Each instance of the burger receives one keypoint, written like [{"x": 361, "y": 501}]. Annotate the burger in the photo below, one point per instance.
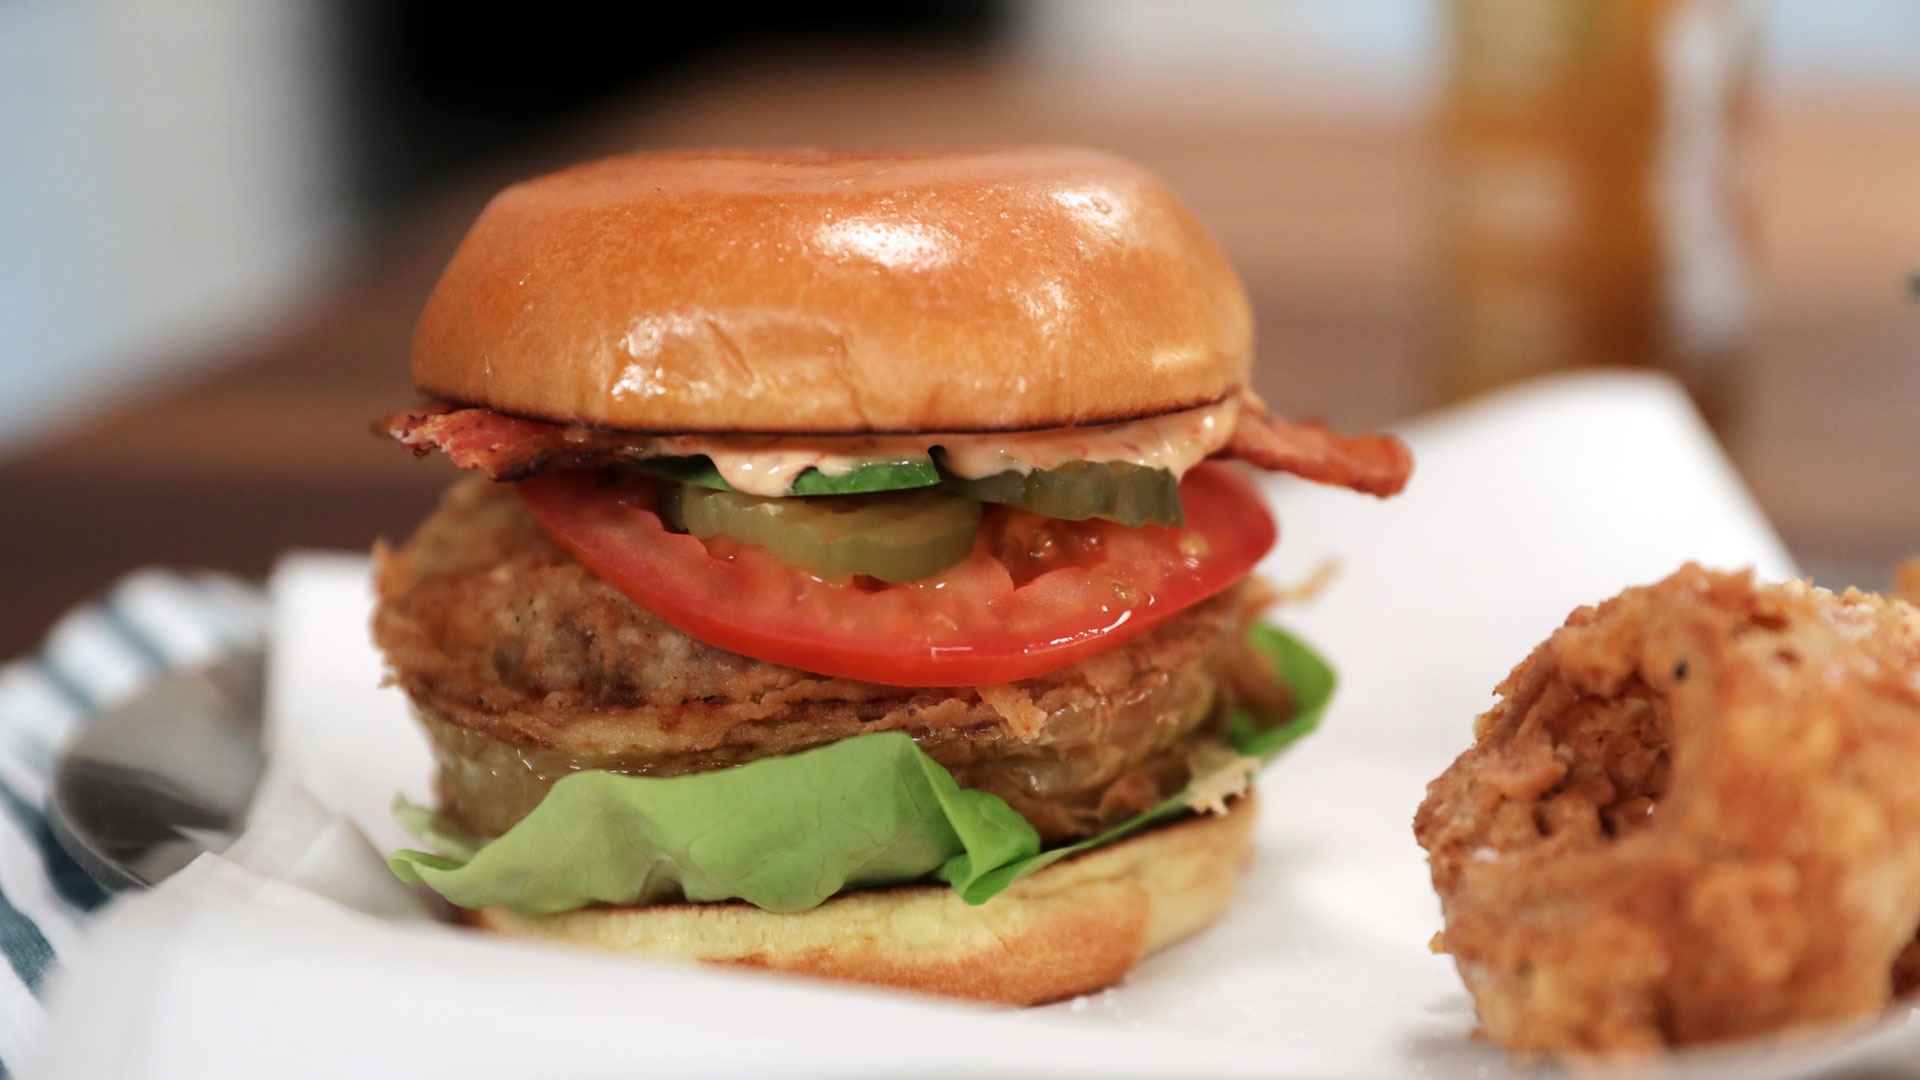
[{"x": 854, "y": 579}]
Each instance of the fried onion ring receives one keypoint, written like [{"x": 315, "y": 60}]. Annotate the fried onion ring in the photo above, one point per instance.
[{"x": 1694, "y": 815}]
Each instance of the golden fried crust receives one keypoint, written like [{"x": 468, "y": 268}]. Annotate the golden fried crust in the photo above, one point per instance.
[
  {"x": 524, "y": 666},
  {"x": 1693, "y": 816},
  {"x": 1074, "y": 927}
]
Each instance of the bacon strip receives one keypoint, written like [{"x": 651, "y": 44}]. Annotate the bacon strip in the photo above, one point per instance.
[
  {"x": 1374, "y": 464},
  {"x": 511, "y": 448}
]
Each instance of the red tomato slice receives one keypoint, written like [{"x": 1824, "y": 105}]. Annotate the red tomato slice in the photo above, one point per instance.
[{"x": 979, "y": 622}]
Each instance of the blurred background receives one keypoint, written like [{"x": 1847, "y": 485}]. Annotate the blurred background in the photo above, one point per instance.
[{"x": 218, "y": 219}]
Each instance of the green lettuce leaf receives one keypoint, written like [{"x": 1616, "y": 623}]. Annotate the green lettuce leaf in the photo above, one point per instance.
[
  {"x": 868, "y": 476},
  {"x": 783, "y": 833},
  {"x": 787, "y": 833},
  {"x": 1261, "y": 738}
]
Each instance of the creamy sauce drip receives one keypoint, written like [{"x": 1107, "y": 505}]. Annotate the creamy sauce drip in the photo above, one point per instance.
[{"x": 768, "y": 465}]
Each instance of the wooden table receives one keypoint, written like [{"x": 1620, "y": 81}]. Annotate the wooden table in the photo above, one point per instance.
[{"x": 1329, "y": 219}]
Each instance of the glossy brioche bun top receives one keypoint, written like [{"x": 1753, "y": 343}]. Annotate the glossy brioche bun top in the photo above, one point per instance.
[{"x": 815, "y": 291}]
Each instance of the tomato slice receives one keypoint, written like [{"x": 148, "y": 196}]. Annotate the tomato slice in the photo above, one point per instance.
[{"x": 998, "y": 616}]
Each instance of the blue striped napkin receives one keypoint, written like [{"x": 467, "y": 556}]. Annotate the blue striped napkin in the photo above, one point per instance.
[{"x": 150, "y": 623}]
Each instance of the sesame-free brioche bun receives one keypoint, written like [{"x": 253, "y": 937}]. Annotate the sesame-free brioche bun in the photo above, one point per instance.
[
  {"x": 1073, "y": 927},
  {"x": 811, "y": 291}
]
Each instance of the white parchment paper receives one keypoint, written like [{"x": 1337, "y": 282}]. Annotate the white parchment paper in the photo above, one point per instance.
[{"x": 298, "y": 956}]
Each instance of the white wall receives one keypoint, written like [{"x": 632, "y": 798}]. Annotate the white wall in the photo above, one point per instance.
[
  {"x": 1363, "y": 54},
  {"x": 1344, "y": 55},
  {"x": 168, "y": 172},
  {"x": 1841, "y": 49}
]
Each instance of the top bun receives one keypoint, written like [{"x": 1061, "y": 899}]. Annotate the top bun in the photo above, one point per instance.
[{"x": 811, "y": 291}]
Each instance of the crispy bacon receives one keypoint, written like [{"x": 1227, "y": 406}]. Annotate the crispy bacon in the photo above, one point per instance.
[
  {"x": 1374, "y": 464},
  {"x": 510, "y": 447},
  {"x": 513, "y": 448}
]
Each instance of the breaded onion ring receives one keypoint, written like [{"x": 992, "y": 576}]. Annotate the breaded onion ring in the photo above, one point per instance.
[{"x": 1694, "y": 815}]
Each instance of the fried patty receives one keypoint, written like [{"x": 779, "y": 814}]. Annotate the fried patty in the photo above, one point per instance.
[{"x": 523, "y": 666}]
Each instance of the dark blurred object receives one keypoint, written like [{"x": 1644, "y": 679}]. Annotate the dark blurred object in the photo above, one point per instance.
[
  {"x": 1595, "y": 214},
  {"x": 434, "y": 85}
]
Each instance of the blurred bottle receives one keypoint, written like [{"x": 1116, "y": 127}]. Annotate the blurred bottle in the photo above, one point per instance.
[{"x": 1595, "y": 213}]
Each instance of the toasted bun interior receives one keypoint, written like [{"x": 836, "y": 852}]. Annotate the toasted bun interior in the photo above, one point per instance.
[
  {"x": 809, "y": 291},
  {"x": 1074, "y": 927}
]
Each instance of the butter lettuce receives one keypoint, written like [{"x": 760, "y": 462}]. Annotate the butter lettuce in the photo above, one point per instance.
[
  {"x": 1256, "y": 737},
  {"x": 786, "y": 833},
  {"x": 868, "y": 476}
]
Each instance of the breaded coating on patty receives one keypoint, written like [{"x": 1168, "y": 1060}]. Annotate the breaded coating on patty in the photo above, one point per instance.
[
  {"x": 524, "y": 666},
  {"x": 1694, "y": 815}
]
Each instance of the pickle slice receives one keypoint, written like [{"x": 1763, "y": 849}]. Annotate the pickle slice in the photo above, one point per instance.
[
  {"x": 896, "y": 537},
  {"x": 868, "y": 476},
  {"x": 1133, "y": 495}
]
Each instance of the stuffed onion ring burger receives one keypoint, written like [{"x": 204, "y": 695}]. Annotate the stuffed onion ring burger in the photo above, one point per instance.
[{"x": 854, "y": 580}]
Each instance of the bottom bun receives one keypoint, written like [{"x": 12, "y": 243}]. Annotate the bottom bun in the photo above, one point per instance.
[{"x": 1074, "y": 927}]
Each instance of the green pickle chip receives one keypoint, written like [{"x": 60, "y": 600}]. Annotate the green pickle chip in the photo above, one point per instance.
[
  {"x": 870, "y": 476},
  {"x": 897, "y": 537},
  {"x": 1133, "y": 495}
]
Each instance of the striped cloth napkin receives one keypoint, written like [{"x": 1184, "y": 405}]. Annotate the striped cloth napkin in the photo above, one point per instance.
[{"x": 150, "y": 623}]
